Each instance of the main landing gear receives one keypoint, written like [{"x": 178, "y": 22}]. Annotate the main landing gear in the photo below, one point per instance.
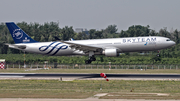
[{"x": 91, "y": 58}]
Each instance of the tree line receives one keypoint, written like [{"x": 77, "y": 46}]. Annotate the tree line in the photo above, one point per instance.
[
  {"x": 101, "y": 60},
  {"x": 47, "y": 31}
]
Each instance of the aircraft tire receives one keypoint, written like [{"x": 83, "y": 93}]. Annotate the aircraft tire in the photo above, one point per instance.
[
  {"x": 88, "y": 61},
  {"x": 93, "y": 59}
]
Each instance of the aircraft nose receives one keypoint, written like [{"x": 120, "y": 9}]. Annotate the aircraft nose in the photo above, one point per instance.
[{"x": 173, "y": 43}]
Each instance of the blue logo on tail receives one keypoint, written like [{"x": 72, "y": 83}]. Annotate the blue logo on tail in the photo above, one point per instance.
[
  {"x": 18, "y": 34},
  {"x": 57, "y": 47}
]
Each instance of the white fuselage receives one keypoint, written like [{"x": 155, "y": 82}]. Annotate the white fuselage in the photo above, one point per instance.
[{"x": 129, "y": 44}]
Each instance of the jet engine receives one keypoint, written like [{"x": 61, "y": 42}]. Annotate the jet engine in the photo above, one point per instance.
[{"x": 110, "y": 52}]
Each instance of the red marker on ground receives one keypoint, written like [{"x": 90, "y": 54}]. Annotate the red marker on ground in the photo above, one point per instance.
[{"x": 104, "y": 76}]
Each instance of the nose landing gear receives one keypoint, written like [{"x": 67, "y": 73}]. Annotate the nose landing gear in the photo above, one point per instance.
[{"x": 158, "y": 54}]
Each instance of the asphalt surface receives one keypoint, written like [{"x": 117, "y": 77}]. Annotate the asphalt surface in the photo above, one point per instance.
[
  {"x": 71, "y": 75},
  {"x": 89, "y": 99}
]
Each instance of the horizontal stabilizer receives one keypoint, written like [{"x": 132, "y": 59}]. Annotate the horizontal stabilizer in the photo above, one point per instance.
[{"x": 16, "y": 46}]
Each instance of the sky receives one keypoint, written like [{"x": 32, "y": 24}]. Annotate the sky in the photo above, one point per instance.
[{"x": 94, "y": 14}]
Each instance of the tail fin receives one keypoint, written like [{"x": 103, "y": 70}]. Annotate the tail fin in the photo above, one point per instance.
[{"x": 18, "y": 34}]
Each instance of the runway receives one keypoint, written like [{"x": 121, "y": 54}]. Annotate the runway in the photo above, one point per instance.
[
  {"x": 89, "y": 99},
  {"x": 89, "y": 76}
]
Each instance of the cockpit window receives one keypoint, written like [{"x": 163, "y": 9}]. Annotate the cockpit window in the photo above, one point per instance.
[{"x": 168, "y": 40}]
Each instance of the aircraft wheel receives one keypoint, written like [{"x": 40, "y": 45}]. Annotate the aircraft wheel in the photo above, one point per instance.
[
  {"x": 93, "y": 59},
  {"x": 88, "y": 61}
]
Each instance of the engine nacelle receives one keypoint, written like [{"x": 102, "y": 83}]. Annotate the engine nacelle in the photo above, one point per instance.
[{"x": 110, "y": 52}]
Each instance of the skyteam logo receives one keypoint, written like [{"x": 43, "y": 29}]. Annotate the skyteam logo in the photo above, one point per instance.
[
  {"x": 145, "y": 43},
  {"x": 137, "y": 40},
  {"x": 26, "y": 40},
  {"x": 17, "y": 33},
  {"x": 53, "y": 48}
]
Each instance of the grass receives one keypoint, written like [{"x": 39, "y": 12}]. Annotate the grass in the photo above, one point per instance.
[
  {"x": 86, "y": 88},
  {"x": 151, "y": 71}
]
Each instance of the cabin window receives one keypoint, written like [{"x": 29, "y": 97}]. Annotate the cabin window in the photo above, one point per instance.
[{"x": 168, "y": 40}]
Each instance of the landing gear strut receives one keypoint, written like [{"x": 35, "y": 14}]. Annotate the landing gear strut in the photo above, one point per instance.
[{"x": 91, "y": 58}]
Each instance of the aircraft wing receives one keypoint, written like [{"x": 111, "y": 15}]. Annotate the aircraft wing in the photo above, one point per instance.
[
  {"x": 81, "y": 47},
  {"x": 16, "y": 46}
]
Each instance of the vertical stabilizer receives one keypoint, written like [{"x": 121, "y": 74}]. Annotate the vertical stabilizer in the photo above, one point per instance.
[{"x": 18, "y": 34}]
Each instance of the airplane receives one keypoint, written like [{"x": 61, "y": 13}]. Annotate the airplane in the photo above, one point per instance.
[{"x": 110, "y": 47}]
